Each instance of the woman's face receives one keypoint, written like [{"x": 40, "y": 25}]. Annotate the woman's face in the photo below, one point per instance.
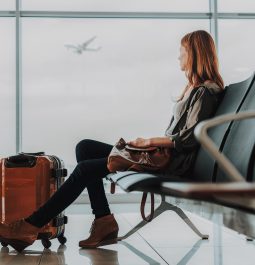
[{"x": 183, "y": 58}]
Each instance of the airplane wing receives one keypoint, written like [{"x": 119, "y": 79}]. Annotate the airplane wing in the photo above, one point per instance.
[
  {"x": 70, "y": 46},
  {"x": 86, "y": 43},
  {"x": 82, "y": 47},
  {"x": 75, "y": 49}
]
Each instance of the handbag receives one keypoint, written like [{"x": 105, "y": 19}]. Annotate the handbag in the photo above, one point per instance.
[{"x": 125, "y": 157}]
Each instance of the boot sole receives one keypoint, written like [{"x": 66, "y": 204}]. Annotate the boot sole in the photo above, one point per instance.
[{"x": 112, "y": 238}]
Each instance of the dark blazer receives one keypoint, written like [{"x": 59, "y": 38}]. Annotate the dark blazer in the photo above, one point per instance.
[{"x": 200, "y": 105}]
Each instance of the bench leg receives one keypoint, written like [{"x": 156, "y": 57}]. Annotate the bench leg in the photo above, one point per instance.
[
  {"x": 186, "y": 219},
  {"x": 133, "y": 230},
  {"x": 165, "y": 206}
]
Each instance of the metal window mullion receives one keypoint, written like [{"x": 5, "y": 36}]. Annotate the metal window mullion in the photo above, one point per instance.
[
  {"x": 214, "y": 21},
  {"x": 18, "y": 81},
  {"x": 7, "y": 14},
  {"x": 170, "y": 15},
  {"x": 167, "y": 15},
  {"x": 159, "y": 15},
  {"x": 236, "y": 15}
]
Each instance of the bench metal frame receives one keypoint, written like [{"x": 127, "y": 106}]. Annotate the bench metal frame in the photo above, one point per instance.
[
  {"x": 165, "y": 206},
  {"x": 202, "y": 136}
]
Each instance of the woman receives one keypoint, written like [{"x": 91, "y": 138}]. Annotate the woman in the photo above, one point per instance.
[{"x": 197, "y": 102}]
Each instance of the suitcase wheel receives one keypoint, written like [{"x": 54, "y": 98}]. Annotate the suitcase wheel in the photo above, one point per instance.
[
  {"x": 4, "y": 244},
  {"x": 46, "y": 243},
  {"x": 62, "y": 239}
]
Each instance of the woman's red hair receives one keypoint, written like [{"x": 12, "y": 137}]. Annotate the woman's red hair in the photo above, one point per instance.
[{"x": 202, "y": 64}]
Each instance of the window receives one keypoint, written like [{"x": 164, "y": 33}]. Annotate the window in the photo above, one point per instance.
[
  {"x": 98, "y": 93},
  {"x": 236, "y": 6},
  {"x": 7, "y": 5},
  {"x": 7, "y": 86},
  {"x": 236, "y": 51},
  {"x": 117, "y": 5}
]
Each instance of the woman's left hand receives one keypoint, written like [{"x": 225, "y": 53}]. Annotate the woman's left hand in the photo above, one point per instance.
[{"x": 140, "y": 142}]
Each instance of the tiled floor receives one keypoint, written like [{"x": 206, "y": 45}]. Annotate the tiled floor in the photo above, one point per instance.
[{"x": 167, "y": 240}]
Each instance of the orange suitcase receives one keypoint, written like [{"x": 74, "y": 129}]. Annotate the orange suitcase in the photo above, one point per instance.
[{"x": 27, "y": 181}]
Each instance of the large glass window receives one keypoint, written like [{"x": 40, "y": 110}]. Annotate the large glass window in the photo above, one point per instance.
[
  {"x": 117, "y": 5},
  {"x": 236, "y": 6},
  {"x": 98, "y": 78},
  {"x": 7, "y": 5},
  {"x": 7, "y": 86},
  {"x": 236, "y": 51}
]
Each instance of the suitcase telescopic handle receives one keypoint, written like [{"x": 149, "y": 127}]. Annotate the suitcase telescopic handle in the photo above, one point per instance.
[
  {"x": 33, "y": 154},
  {"x": 21, "y": 160}
]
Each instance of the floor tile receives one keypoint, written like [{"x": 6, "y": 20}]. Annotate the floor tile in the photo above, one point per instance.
[
  {"x": 232, "y": 255},
  {"x": 10, "y": 257},
  {"x": 169, "y": 230}
]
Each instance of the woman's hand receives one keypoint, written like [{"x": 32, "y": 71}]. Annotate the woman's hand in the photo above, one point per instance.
[
  {"x": 140, "y": 142},
  {"x": 155, "y": 141}
]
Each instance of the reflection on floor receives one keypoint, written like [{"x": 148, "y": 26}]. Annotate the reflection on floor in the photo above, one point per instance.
[{"x": 167, "y": 240}]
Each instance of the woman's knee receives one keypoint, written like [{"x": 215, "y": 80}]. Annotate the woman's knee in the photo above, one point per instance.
[
  {"x": 90, "y": 170},
  {"x": 83, "y": 144},
  {"x": 81, "y": 149}
]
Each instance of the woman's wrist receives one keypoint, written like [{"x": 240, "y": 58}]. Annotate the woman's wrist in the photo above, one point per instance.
[
  {"x": 150, "y": 141},
  {"x": 161, "y": 141}
]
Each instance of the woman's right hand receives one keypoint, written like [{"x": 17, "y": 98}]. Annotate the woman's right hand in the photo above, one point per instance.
[{"x": 140, "y": 142}]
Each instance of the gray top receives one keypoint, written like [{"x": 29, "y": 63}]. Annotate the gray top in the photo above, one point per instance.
[
  {"x": 178, "y": 106},
  {"x": 200, "y": 104}
]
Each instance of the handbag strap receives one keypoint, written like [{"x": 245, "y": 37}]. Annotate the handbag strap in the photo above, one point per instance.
[
  {"x": 150, "y": 216},
  {"x": 143, "y": 201},
  {"x": 112, "y": 189}
]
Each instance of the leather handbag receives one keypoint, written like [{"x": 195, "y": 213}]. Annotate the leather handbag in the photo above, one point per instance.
[{"x": 125, "y": 157}]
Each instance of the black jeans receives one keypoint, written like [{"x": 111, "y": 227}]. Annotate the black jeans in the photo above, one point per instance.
[{"x": 89, "y": 173}]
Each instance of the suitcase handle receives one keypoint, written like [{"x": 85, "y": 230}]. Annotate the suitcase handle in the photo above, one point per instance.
[
  {"x": 33, "y": 154},
  {"x": 21, "y": 160}
]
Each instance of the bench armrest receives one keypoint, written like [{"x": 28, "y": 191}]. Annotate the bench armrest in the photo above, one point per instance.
[{"x": 206, "y": 142}]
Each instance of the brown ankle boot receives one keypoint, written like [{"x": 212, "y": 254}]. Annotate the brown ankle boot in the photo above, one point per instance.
[
  {"x": 18, "y": 234},
  {"x": 104, "y": 231}
]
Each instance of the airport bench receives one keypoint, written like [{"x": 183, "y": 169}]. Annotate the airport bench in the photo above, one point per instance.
[{"x": 224, "y": 169}]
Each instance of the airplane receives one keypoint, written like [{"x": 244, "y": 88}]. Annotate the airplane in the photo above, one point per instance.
[{"x": 80, "y": 48}]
